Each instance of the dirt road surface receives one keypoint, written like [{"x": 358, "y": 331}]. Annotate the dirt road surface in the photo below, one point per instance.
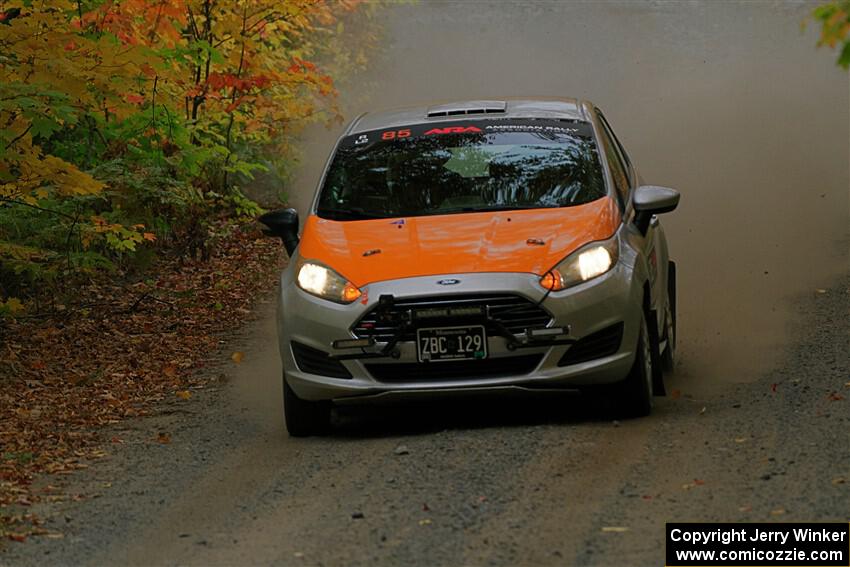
[{"x": 729, "y": 103}]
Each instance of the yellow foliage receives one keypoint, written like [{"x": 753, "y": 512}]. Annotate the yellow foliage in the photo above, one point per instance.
[
  {"x": 12, "y": 306},
  {"x": 175, "y": 87},
  {"x": 236, "y": 67},
  {"x": 38, "y": 176}
]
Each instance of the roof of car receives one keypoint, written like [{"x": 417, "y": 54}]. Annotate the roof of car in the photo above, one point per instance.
[{"x": 556, "y": 108}]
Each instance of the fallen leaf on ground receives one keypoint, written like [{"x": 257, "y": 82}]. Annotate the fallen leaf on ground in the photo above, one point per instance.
[
  {"x": 839, "y": 480},
  {"x": 184, "y": 394},
  {"x": 702, "y": 411},
  {"x": 835, "y": 397},
  {"x": 425, "y": 522},
  {"x": 163, "y": 438},
  {"x": 745, "y": 509},
  {"x": 615, "y": 529},
  {"x": 773, "y": 387},
  {"x": 93, "y": 370},
  {"x": 740, "y": 439},
  {"x": 237, "y": 356},
  {"x": 777, "y": 512},
  {"x": 695, "y": 483}
]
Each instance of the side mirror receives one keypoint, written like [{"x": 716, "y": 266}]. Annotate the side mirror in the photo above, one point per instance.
[
  {"x": 282, "y": 223},
  {"x": 653, "y": 200}
]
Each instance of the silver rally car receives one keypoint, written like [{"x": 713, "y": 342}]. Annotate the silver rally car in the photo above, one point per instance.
[{"x": 470, "y": 247}]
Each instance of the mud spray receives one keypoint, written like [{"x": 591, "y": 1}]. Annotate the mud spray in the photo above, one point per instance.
[{"x": 728, "y": 102}]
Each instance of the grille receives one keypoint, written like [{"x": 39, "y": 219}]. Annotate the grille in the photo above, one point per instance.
[
  {"x": 462, "y": 369},
  {"x": 314, "y": 361},
  {"x": 596, "y": 345},
  {"x": 514, "y": 312}
]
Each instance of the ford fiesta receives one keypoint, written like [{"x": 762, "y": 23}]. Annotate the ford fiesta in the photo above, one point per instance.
[{"x": 479, "y": 245}]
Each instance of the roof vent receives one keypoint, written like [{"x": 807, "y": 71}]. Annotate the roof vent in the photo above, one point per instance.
[{"x": 470, "y": 107}]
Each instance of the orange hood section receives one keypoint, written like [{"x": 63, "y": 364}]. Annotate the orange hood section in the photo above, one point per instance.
[{"x": 529, "y": 241}]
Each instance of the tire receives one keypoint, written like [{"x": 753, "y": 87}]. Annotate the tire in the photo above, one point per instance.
[
  {"x": 633, "y": 396},
  {"x": 668, "y": 357},
  {"x": 655, "y": 354},
  {"x": 304, "y": 418}
]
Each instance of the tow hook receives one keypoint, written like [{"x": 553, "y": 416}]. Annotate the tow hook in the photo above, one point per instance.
[{"x": 549, "y": 336}]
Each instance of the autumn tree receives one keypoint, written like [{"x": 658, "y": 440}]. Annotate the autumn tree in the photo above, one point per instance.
[
  {"x": 124, "y": 118},
  {"x": 834, "y": 19}
]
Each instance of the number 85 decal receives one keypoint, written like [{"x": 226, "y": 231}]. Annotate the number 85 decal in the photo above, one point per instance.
[{"x": 393, "y": 134}]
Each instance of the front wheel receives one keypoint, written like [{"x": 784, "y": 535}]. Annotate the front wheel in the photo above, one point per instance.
[
  {"x": 633, "y": 396},
  {"x": 304, "y": 418}
]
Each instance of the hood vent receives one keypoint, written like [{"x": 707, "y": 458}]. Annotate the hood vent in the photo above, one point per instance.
[{"x": 471, "y": 107}]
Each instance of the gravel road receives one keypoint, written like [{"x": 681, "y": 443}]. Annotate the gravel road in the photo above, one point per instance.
[
  {"x": 493, "y": 482},
  {"x": 737, "y": 110}
]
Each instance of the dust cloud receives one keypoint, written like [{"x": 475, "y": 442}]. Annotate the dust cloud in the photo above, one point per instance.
[{"x": 728, "y": 102}]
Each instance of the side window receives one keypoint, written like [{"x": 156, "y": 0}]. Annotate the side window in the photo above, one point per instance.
[
  {"x": 625, "y": 157},
  {"x": 616, "y": 165}
]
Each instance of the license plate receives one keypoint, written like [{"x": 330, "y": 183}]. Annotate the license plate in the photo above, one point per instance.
[{"x": 451, "y": 343}]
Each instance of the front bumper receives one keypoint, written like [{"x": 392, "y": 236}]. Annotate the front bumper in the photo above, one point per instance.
[{"x": 587, "y": 308}]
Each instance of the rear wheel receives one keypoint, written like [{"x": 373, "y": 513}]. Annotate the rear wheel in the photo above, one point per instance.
[
  {"x": 668, "y": 356},
  {"x": 633, "y": 396},
  {"x": 303, "y": 417}
]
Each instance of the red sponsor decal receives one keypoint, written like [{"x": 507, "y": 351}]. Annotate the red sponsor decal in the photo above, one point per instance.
[
  {"x": 453, "y": 130},
  {"x": 393, "y": 134}
]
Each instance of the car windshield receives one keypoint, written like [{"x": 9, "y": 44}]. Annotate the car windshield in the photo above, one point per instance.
[{"x": 455, "y": 167}]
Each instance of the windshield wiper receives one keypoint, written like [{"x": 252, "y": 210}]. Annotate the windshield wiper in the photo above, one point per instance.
[
  {"x": 355, "y": 213},
  {"x": 490, "y": 208}
]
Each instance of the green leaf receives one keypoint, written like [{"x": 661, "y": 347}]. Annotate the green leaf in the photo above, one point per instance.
[
  {"x": 824, "y": 11},
  {"x": 43, "y": 127},
  {"x": 844, "y": 58}
]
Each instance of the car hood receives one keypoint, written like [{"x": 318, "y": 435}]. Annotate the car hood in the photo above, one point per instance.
[{"x": 528, "y": 241}]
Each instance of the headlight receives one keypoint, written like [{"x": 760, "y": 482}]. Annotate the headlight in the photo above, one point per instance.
[
  {"x": 587, "y": 263},
  {"x": 323, "y": 282}
]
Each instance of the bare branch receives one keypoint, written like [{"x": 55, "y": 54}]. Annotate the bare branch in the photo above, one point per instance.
[{"x": 17, "y": 138}]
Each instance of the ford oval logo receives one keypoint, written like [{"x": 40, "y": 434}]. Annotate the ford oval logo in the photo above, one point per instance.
[{"x": 448, "y": 282}]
